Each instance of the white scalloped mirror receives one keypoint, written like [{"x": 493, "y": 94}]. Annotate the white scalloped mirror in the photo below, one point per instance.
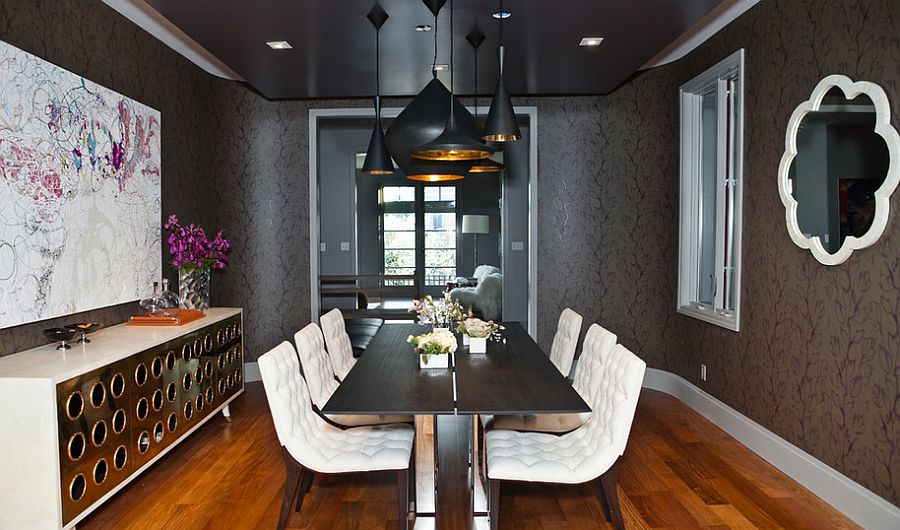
[{"x": 839, "y": 169}]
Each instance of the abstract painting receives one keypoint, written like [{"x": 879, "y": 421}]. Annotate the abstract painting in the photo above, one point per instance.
[{"x": 79, "y": 192}]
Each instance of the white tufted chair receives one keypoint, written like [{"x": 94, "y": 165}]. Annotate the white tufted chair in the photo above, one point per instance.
[
  {"x": 338, "y": 342},
  {"x": 311, "y": 445},
  {"x": 562, "y": 351},
  {"x": 319, "y": 375},
  {"x": 601, "y": 342},
  {"x": 592, "y": 451}
]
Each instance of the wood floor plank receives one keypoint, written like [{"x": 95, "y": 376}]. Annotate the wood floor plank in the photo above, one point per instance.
[{"x": 679, "y": 471}]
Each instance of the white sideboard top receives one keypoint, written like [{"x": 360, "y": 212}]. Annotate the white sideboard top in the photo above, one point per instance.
[{"x": 107, "y": 346}]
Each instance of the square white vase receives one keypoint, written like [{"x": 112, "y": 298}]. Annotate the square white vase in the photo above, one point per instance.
[
  {"x": 477, "y": 345},
  {"x": 465, "y": 339},
  {"x": 440, "y": 330},
  {"x": 435, "y": 361}
]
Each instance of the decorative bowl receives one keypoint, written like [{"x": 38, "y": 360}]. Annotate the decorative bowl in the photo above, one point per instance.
[
  {"x": 61, "y": 335},
  {"x": 85, "y": 328}
]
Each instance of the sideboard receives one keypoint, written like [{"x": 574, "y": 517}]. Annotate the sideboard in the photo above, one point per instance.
[{"x": 76, "y": 426}]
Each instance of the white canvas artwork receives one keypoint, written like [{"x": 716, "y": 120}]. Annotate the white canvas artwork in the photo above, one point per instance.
[{"x": 79, "y": 192}]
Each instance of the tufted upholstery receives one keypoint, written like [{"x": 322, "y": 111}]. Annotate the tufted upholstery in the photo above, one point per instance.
[
  {"x": 562, "y": 351},
  {"x": 314, "y": 443},
  {"x": 338, "y": 342},
  {"x": 598, "y": 339},
  {"x": 601, "y": 342},
  {"x": 614, "y": 382},
  {"x": 319, "y": 375},
  {"x": 317, "y": 368}
]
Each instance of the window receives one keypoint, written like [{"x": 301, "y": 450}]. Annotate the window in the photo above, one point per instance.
[
  {"x": 399, "y": 222},
  {"x": 419, "y": 232},
  {"x": 709, "y": 273},
  {"x": 440, "y": 234}
]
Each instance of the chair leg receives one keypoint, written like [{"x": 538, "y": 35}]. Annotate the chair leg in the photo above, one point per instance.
[
  {"x": 494, "y": 503},
  {"x": 403, "y": 497},
  {"x": 305, "y": 485},
  {"x": 291, "y": 486},
  {"x": 412, "y": 479},
  {"x": 601, "y": 497},
  {"x": 608, "y": 481}
]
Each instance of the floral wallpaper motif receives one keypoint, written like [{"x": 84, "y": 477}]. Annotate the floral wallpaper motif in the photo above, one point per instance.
[{"x": 818, "y": 358}]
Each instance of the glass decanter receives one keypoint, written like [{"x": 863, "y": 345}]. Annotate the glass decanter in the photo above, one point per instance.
[
  {"x": 154, "y": 302},
  {"x": 169, "y": 299}
]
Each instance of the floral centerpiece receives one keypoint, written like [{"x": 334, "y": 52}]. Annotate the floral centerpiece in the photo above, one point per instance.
[
  {"x": 478, "y": 332},
  {"x": 439, "y": 313},
  {"x": 434, "y": 348},
  {"x": 194, "y": 256}
]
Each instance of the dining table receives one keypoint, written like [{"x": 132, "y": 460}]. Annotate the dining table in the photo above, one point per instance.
[{"x": 514, "y": 376}]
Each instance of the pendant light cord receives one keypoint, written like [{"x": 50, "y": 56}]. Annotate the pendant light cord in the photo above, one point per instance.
[
  {"x": 434, "y": 61},
  {"x": 500, "y": 22},
  {"x": 378, "y": 65},
  {"x": 451, "y": 60}
]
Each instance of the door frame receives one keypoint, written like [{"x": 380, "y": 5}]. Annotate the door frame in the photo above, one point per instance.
[{"x": 529, "y": 112}]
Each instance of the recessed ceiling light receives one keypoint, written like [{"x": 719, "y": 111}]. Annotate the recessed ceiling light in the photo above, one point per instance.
[
  {"x": 423, "y": 27},
  {"x": 591, "y": 41},
  {"x": 279, "y": 45},
  {"x": 441, "y": 67},
  {"x": 502, "y": 14}
]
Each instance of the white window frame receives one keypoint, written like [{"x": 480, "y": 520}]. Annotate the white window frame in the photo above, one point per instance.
[{"x": 690, "y": 96}]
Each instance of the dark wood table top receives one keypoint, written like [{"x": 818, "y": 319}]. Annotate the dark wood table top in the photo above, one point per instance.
[
  {"x": 512, "y": 378},
  {"x": 387, "y": 379}
]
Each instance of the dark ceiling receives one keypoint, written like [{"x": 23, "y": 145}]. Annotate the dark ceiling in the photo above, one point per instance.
[{"x": 333, "y": 43}]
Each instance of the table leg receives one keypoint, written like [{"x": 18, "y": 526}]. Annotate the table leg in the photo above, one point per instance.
[{"x": 453, "y": 508}]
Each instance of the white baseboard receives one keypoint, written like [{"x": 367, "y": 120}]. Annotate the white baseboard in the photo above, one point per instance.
[
  {"x": 251, "y": 372},
  {"x": 850, "y": 498}
]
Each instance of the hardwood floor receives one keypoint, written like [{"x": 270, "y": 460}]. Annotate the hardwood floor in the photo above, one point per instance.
[{"x": 679, "y": 471}]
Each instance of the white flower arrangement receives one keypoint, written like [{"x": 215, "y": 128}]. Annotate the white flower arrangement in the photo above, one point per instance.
[
  {"x": 440, "y": 313},
  {"x": 476, "y": 328},
  {"x": 436, "y": 343}
]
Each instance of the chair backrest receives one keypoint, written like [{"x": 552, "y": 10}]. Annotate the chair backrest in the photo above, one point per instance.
[
  {"x": 615, "y": 380},
  {"x": 483, "y": 270},
  {"x": 597, "y": 344},
  {"x": 338, "y": 342},
  {"x": 562, "y": 351},
  {"x": 299, "y": 429},
  {"x": 316, "y": 365}
]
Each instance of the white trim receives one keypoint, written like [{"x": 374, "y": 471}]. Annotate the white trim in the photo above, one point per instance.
[
  {"x": 148, "y": 19},
  {"x": 850, "y": 498},
  {"x": 392, "y": 112},
  {"x": 724, "y": 14},
  {"x": 882, "y": 194},
  {"x": 251, "y": 372},
  {"x": 690, "y": 189}
]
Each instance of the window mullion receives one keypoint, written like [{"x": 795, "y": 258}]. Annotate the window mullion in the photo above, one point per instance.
[{"x": 721, "y": 184}]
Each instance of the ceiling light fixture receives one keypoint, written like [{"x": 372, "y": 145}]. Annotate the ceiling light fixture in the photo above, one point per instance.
[
  {"x": 502, "y": 14},
  {"x": 475, "y": 38},
  {"x": 279, "y": 44},
  {"x": 423, "y": 27},
  {"x": 378, "y": 159},
  {"x": 501, "y": 125},
  {"x": 591, "y": 41},
  {"x": 423, "y": 120},
  {"x": 452, "y": 144}
]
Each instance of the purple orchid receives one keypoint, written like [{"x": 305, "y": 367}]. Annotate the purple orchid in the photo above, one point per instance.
[{"x": 192, "y": 250}]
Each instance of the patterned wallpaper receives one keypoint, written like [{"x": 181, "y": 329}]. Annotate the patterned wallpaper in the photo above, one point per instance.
[
  {"x": 92, "y": 40},
  {"x": 818, "y": 358}
]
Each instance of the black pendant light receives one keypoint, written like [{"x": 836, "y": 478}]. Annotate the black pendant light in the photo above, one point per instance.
[
  {"x": 423, "y": 120},
  {"x": 378, "y": 160},
  {"x": 475, "y": 38},
  {"x": 453, "y": 144},
  {"x": 501, "y": 123}
]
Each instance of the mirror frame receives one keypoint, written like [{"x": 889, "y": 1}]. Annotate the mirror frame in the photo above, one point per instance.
[{"x": 883, "y": 128}]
